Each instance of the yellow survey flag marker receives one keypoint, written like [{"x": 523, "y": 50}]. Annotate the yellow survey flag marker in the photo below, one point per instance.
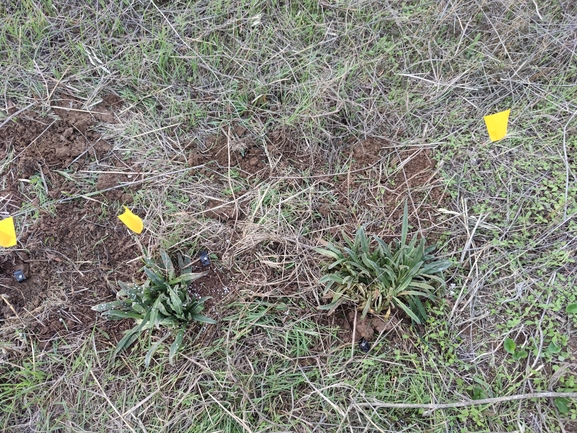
[
  {"x": 7, "y": 233},
  {"x": 497, "y": 124},
  {"x": 133, "y": 222}
]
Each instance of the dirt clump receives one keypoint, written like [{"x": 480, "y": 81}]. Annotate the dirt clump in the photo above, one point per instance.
[{"x": 237, "y": 149}]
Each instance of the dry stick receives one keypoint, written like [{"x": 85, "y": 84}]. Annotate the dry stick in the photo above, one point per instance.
[
  {"x": 16, "y": 114},
  {"x": 122, "y": 185},
  {"x": 236, "y": 208},
  {"x": 5, "y": 299},
  {"x": 156, "y": 130},
  {"x": 57, "y": 84},
  {"x": 78, "y": 110},
  {"x": 232, "y": 415},
  {"x": 495, "y": 400},
  {"x": 110, "y": 402},
  {"x": 137, "y": 405},
  {"x": 198, "y": 57},
  {"x": 567, "y": 167},
  {"x": 36, "y": 139}
]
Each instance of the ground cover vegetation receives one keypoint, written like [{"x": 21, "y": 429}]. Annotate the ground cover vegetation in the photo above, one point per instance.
[{"x": 263, "y": 132}]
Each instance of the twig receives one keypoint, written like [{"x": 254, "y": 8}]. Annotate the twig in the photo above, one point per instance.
[
  {"x": 495, "y": 400},
  {"x": 110, "y": 402},
  {"x": 16, "y": 114},
  {"x": 156, "y": 130},
  {"x": 5, "y": 299},
  {"x": 122, "y": 185},
  {"x": 232, "y": 415},
  {"x": 567, "y": 167}
]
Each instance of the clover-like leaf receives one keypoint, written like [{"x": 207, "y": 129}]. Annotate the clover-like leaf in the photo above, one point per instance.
[{"x": 509, "y": 346}]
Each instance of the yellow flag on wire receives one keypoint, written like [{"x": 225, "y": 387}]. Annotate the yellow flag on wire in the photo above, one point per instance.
[
  {"x": 133, "y": 222},
  {"x": 497, "y": 124},
  {"x": 7, "y": 233}
]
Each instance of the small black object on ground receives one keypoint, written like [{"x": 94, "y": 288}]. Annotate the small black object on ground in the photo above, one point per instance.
[
  {"x": 364, "y": 345},
  {"x": 19, "y": 275},
  {"x": 204, "y": 260}
]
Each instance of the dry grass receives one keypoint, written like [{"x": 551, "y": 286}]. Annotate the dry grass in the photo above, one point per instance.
[{"x": 310, "y": 82}]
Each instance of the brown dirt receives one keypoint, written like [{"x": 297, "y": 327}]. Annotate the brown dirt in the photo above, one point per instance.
[
  {"x": 368, "y": 328},
  {"x": 235, "y": 149},
  {"x": 72, "y": 255},
  {"x": 213, "y": 284},
  {"x": 355, "y": 178}
]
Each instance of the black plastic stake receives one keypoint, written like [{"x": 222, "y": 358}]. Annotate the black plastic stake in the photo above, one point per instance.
[
  {"x": 19, "y": 275},
  {"x": 364, "y": 345},
  {"x": 204, "y": 260}
]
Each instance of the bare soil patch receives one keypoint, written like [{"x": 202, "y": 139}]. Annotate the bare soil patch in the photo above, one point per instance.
[
  {"x": 362, "y": 178},
  {"x": 74, "y": 251}
]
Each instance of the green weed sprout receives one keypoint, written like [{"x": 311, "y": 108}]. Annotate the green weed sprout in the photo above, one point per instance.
[
  {"x": 386, "y": 276},
  {"x": 162, "y": 301}
]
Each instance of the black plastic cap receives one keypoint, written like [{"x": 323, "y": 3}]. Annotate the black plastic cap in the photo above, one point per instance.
[
  {"x": 364, "y": 345},
  {"x": 19, "y": 275},
  {"x": 204, "y": 260}
]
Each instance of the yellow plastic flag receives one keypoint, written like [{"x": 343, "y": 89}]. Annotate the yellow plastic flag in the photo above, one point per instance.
[
  {"x": 497, "y": 124},
  {"x": 7, "y": 233},
  {"x": 133, "y": 222}
]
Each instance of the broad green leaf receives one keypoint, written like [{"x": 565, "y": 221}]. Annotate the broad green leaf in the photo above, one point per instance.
[
  {"x": 107, "y": 306},
  {"x": 153, "y": 315},
  {"x": 387, "y": 275},
  {"x": 204, "y": 319},
  {"x": 126, "y": 341},
  {"x": 436, "y": 267},
  {"x": 385, "y": 250},
  {"x": 415, "y": 293},
  {"x": 553, "y": 349},
  {"x": 169, "y": 322},
  {"x": 520, "y": 354},
  {"x": 175, "y": 301},
  {"x": 367, "y": 306},
  {"x": 162, "y": 308},
  {"x": 417, "y": 307},
  {"x": 370, "y": 264},
  {"x": 124, "y": 287},
  {"x": 509, "y": 346},
  {"x": 362, "y": 240},
  {"x": 398, "y": 303},
  {"x": 337, "y": 263},
  {"x": 117, "y": 314},
  {"x": 138, "y": 308},
  {"x": 167, "y": 264},
  {"x": 405, "y": 226},
  {"x": 571, "y": 308},
  {"x": 153, "y": 349},
  {"x": 186, "y": 278},
  {"x": 329, "y": 253},
  {"x": 331, "y": 277},
  {"x": 196, "y": 309},
  {"x": 427, "y": 288},
  {"x": 333, "y": 305},
  {"x": 156, "y": 280},
  {"x": 562, "y": 405},
  {"x": 175, "y": 346}
]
